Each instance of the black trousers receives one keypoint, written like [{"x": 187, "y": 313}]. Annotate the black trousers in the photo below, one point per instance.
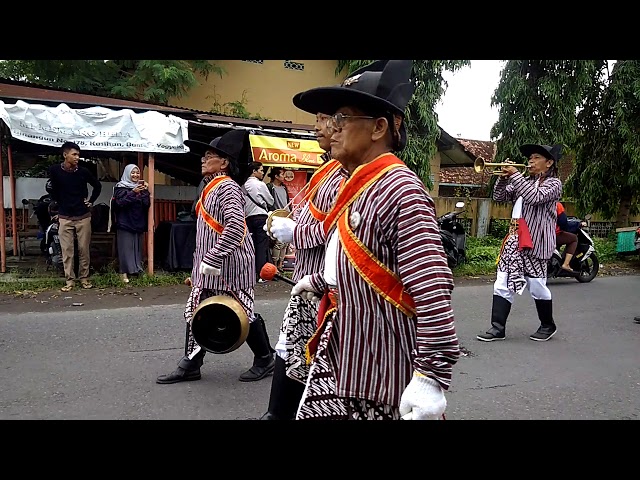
[{"x": 261, "y": 241}]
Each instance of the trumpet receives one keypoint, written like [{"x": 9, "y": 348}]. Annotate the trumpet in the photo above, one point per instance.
[{"x": 480, "y": 165}]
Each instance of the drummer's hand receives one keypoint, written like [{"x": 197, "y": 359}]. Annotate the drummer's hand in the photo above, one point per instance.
[
  {"x": 305, "y": 290},
  {"x": 281, "y": 229},
  {"x": 206, "y": 269}
]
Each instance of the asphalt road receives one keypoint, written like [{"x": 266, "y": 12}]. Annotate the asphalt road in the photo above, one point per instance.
[{"x": 102, "y": 364}]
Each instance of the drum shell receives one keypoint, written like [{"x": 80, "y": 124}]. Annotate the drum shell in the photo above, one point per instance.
[{"x": 220, "y": 324}]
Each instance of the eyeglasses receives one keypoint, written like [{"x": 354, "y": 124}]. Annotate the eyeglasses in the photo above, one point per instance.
[
  {"x": 210, "y": 156},
  {"x": 337, "y": 121}
]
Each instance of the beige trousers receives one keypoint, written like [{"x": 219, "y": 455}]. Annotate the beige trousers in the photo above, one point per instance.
[{"x": 82, "y": 228}]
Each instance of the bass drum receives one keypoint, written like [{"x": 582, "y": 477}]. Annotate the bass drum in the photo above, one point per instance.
[{"x": 220, "y": 324}]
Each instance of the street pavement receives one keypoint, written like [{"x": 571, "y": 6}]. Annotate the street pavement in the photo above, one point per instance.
[{"x": 102, "y": 364}]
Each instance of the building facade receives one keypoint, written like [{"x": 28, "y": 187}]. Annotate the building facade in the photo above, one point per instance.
[{"x": 262, "y": 89}]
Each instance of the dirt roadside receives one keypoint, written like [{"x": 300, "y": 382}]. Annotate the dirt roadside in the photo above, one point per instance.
[
  {"x": 127, "y": 296},
  {"x": 79, "y": 299}
]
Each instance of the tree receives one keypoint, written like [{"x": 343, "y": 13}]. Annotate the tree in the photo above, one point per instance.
[
  {"x": 155, "y": 81},
  {"x": 538, "y": 101},
  {"x": 420, "y": 117},
  {"x": 606, "y": 177}
]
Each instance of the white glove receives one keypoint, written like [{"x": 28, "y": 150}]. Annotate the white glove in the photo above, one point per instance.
[
  {"x": 281, "y": 229},
  {"x": 423, "y": 399},
  {"x": 304, "y": 289},
  {"x": 208, "y": 269}
]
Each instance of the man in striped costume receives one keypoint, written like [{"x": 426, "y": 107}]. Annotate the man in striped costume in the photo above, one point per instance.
[
  {"x": 223, "y": 261},
  {"x": 386, "y": 343},
  {"x": 300, "y": 316},
  {"x": 530, "y": 242}
]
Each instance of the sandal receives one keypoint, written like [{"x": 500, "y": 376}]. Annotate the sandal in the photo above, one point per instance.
[
  {"x": 86, "y": 285},
  {"x": 66, "y": 288}
]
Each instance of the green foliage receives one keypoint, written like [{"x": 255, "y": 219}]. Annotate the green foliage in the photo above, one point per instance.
[
  {"x": 537, "y": 101},
  {"x": 499, "y": 227},
  {"x": 237, "y": 108},
  {"x": 606, "y": 177},
  {"x": 421, "y": 120},
  {"x": 155, "y": 81}
]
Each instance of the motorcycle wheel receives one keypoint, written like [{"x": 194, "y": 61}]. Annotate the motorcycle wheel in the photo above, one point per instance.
[{"x": 588, "y": 269}]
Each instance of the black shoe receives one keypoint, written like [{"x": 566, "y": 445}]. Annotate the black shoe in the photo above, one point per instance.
[
  {"x": 636, "y": 319},
  {"x": 257, "y": 371},
  {"x": 179, "y": 375},
  {"x": 544, "y": 333},
  {"x": 491, "y": 335}
]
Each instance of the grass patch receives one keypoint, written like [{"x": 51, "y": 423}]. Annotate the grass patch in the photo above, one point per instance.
[
  {"x": 481, "y": 260},
  {"x": 38, "y": 280}
]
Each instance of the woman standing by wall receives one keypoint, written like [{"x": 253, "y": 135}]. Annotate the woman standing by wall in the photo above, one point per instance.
[{"x": 130, "y": 204}]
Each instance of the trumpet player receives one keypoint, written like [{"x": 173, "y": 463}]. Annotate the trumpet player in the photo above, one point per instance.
[{"x": 525, "y": 251}]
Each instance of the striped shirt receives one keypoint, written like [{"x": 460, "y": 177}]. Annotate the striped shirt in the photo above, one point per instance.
[
  {"x": 378, "y": 346},
  {"x": 538, "y": 208},
  {"x": 308, "y": 235},
  {"x": 232, "y": 251}
]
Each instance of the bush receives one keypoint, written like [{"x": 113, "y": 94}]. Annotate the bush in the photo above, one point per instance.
[{"x": 499, "y": 227}]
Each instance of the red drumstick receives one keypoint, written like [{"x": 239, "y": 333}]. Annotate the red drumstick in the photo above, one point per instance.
[{"x": 269, "y": 272}]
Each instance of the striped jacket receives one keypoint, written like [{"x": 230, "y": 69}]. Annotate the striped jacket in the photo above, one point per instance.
[
  {"x": 308, "y": 235},
  {"x": 233, "y": 251},
  {"x": 538, "y": 208},
  {"x": 378, "y": 346}
]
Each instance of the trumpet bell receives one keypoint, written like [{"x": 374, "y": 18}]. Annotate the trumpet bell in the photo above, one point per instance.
[
  {"x": 220, "y": 324},
  {"x": 276, "y": 213}
]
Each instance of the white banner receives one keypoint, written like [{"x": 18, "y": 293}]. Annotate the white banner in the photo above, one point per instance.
[{"x": 96, "y": 128}]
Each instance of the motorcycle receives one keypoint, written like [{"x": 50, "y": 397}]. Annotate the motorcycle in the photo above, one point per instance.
[
  {"x": 454, "y": 236},
  {"x": 584, "y": 262}
]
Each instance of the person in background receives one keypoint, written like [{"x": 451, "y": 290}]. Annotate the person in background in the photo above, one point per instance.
[
  {"x": 130, "y": 205},
  {"x": 563, "y": 237},
  {"x": 68, "y": 182},
  {"x": 258, "y": 204},
  {"x": 280, "y": 194}
]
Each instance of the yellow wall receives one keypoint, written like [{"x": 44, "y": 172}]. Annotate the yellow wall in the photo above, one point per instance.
[{"x": 268, "y": 87}]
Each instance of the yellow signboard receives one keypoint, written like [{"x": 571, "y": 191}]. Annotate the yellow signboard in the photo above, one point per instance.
[{"x": 285, "y": 152}]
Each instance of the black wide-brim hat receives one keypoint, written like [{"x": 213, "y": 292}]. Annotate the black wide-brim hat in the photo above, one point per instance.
[
  {"x": 231, "y": 145},
  {"x": 381, "y": 86},
  {"x": 547, "y": 151}
]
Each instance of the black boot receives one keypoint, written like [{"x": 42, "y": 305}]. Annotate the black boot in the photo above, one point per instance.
[
  {"x": 547, "y": 327},
  {"x": 263, "y": 353},
  {"x": 286, "y": 394},
  {"x": 499, "y": 313},
  {"x": 187, "y": 369}
]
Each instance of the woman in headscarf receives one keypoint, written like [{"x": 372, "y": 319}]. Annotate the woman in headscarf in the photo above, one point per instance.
[{"x": 130, "y": 204}]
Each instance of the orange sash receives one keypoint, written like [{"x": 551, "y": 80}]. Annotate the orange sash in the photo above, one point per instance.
[
  {"x": 361, "y": 179},
  {"x": 375, "y": 273},
  {"x": 319, "y": 176},
  {"x": 385, "y": 282},
  {"x": 200, "y": 210},
  {"x": 382, "y": 280}
]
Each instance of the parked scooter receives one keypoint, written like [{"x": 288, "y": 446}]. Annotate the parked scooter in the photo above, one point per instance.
[
  {"x": 585, "y": 262},
  {"x": 454, "y": 236}
]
